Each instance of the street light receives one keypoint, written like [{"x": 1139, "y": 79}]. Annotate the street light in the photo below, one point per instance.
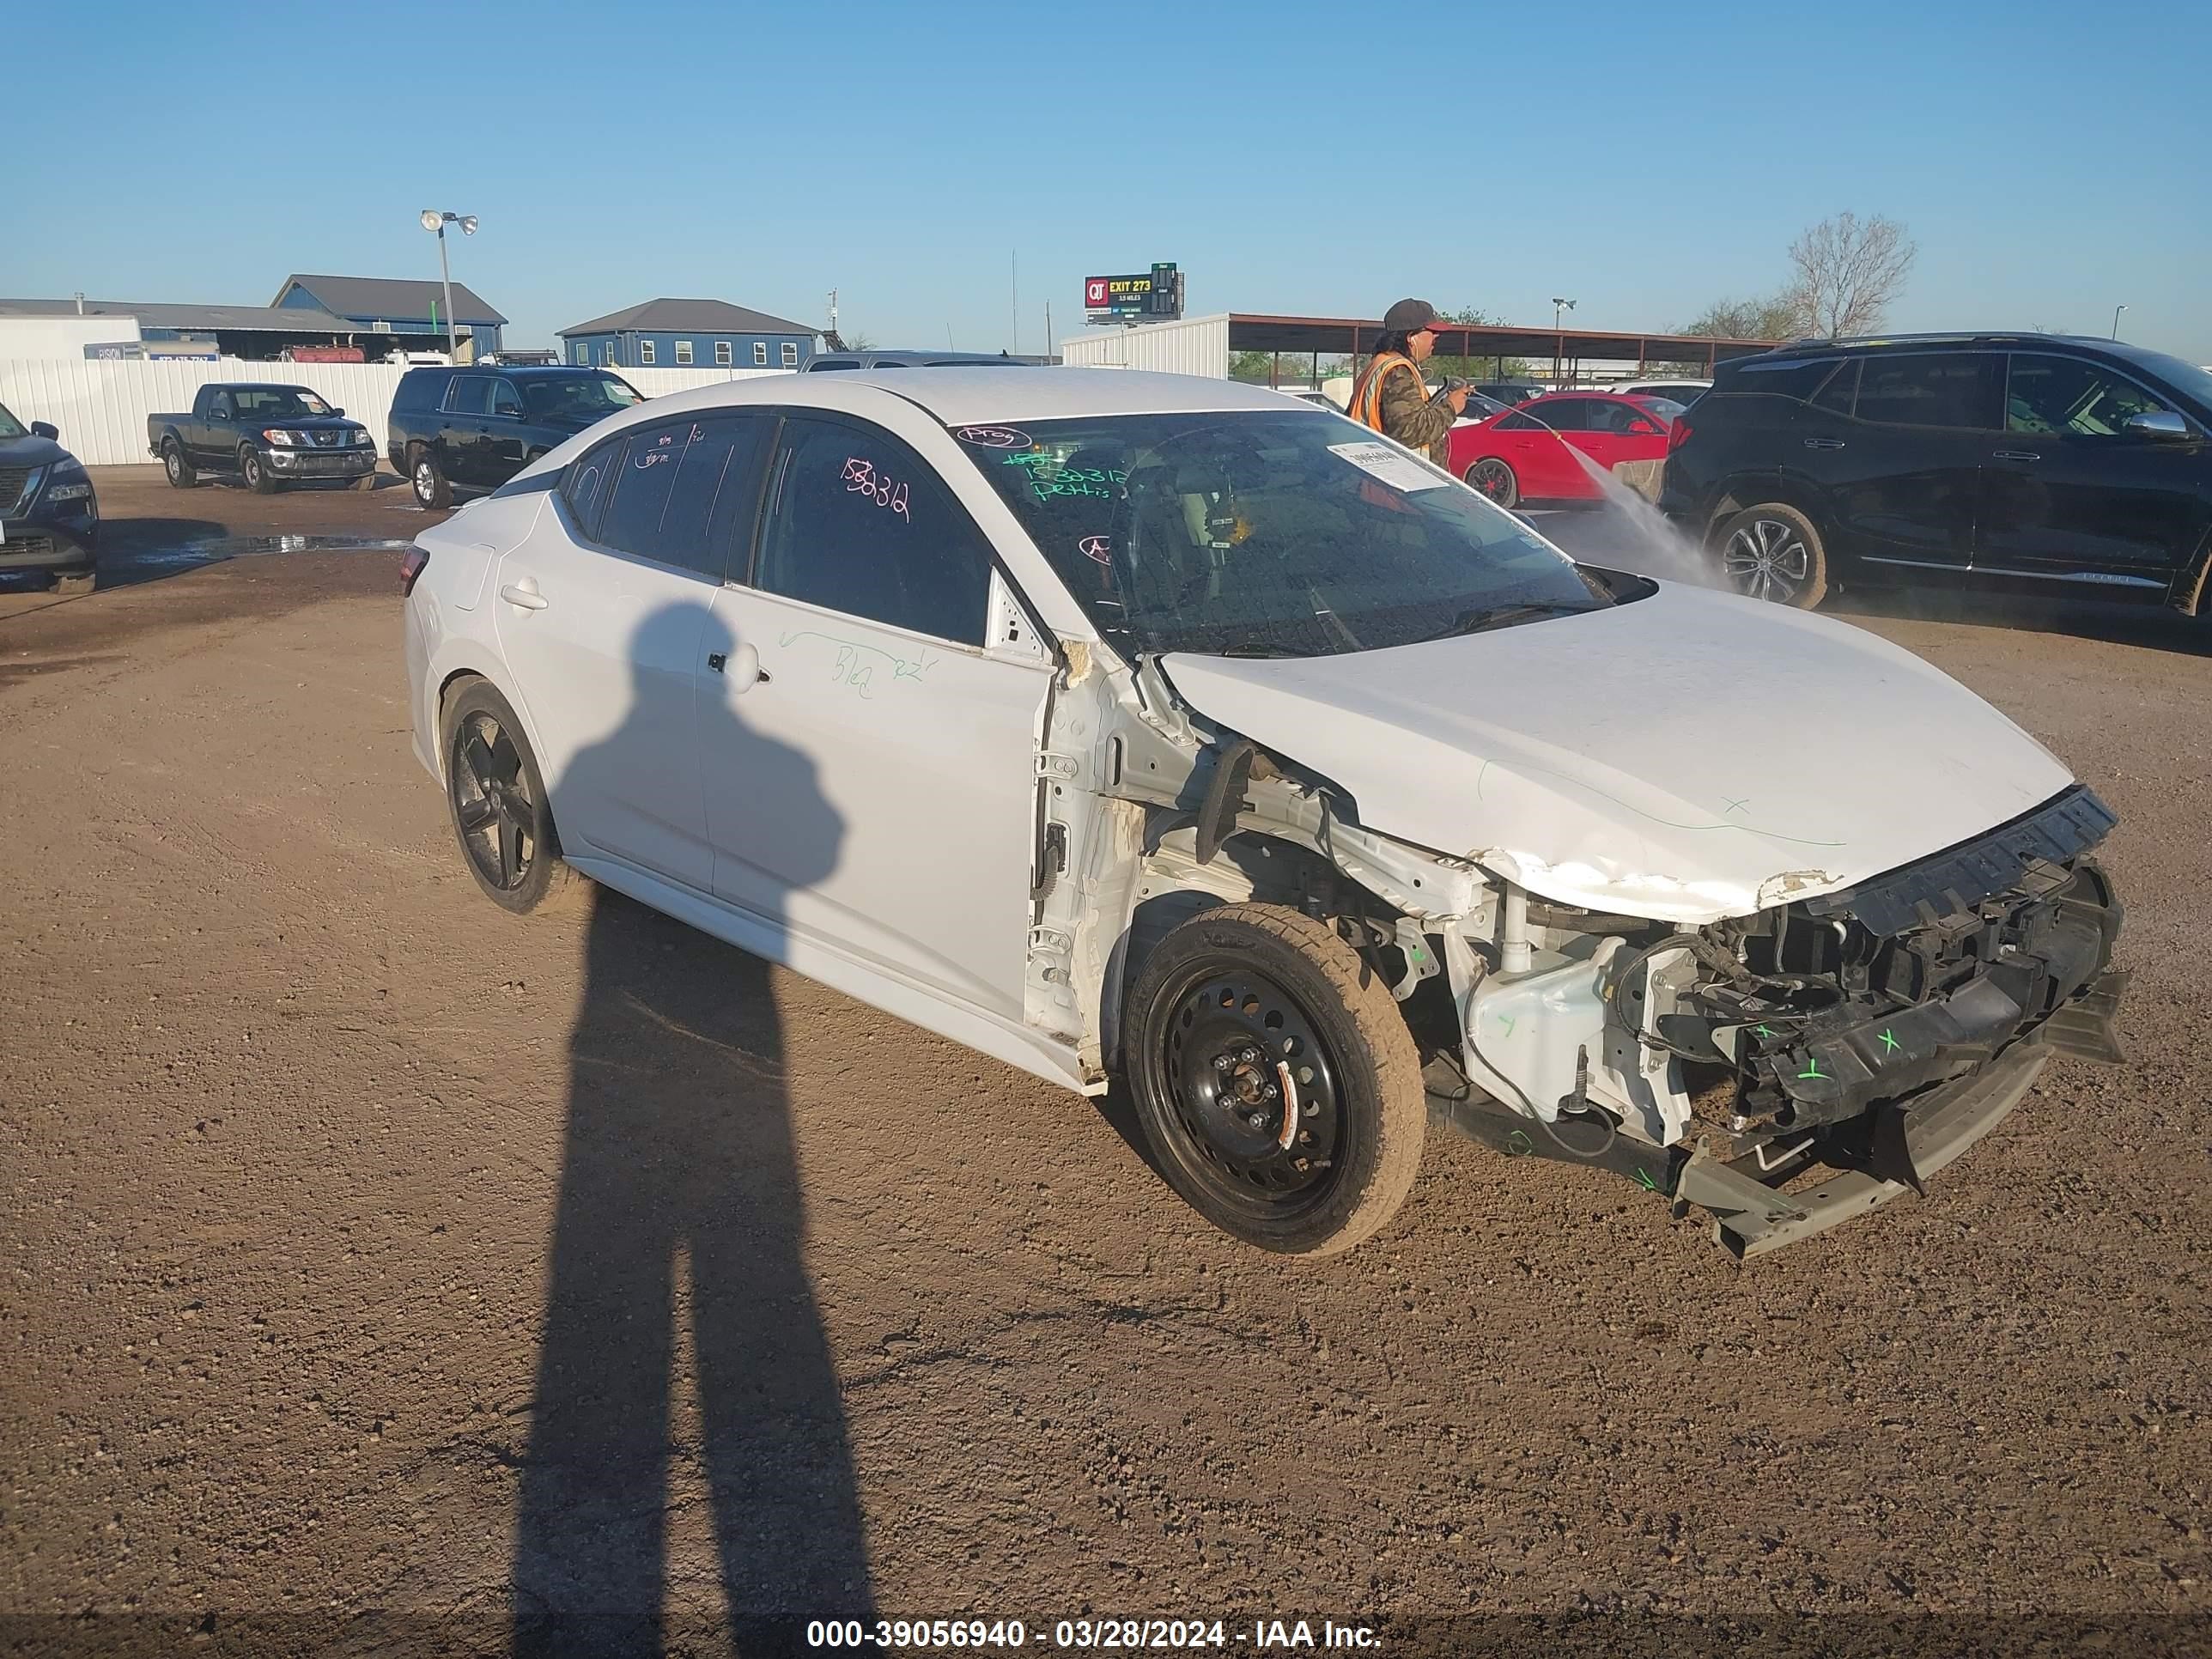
[
  {"x": 2117, "y": 310},
  {"x": 1558, "y": 306},
  {"x": 434, "y": 220}
]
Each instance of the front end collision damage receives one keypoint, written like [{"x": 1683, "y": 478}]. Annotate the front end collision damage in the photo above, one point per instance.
[{"x": 1851, "y": 1044}]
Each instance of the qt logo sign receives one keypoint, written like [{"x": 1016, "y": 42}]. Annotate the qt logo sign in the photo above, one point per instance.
[{"x": 1094, "y": 291}]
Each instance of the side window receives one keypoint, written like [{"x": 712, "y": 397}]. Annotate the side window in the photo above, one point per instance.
[
  {"x": 1568, "y": 415},
  {"x": 663, "y": 492},
  {"x": 683, "y": 351},
  {"x": 583, "y": 353},
  {"x": 1955, "y": 389},
  {"x": 1841, "y": 387},
  {"x": 505, "y": 399},
  {"x": 1517, "y": 421},
  {"x": 862, "y": 525},
  {"x": 760, "y": 354},
  {"x": 222, "y": 409},
  {"x": 2066, "y": 395},
  {"x": 645, "y": 354},
  {"x": 469, "y": 394},
  {"x": 721, "y": 354},
  {"x": 791, "y": 354},
  {"x": 586, "y": 485},
  {"x": 1616, "y": 418}
]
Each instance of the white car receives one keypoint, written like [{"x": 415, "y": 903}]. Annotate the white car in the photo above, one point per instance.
[
  {"x": 1681, "y": 392},
  {"x": 1129, "y": 726}
]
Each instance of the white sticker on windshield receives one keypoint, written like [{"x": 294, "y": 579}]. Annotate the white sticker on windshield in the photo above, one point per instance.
[{"x": 1381, "y": 461}]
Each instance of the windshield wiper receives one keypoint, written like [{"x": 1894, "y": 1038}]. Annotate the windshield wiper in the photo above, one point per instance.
[
  {"x": 1258, "y": 649},
  {"x": 1484, "y": 618}
]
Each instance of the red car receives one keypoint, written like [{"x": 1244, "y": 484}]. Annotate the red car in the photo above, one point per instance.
[{"x": 1522, "y": 454}]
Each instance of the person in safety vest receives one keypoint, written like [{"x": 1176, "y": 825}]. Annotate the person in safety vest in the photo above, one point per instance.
[{"x": 1393, "y": 398}]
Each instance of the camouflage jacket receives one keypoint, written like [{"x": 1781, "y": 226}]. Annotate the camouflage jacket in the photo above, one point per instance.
[{"x": 1412, "y": 419}]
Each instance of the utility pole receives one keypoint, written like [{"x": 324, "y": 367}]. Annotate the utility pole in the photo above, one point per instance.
[
  {"x": 1017, "y": 258},
  {"x": 1047, "y": 328}
]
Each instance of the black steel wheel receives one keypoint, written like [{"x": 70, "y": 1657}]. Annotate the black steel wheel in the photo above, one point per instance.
[
  {"x": 1772, "y": 552},
  {"x": 1495, "y": 479},
  {"x": 254, "y": 470},
  {"x": 498, "y": 803},
  {"x": 179, "y": 470},
  {"x": 1276, "y": 1079}
]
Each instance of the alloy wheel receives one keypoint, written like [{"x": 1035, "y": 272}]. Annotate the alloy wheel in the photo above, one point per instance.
[
  {"x": 1766, "y": 559},
  {"x": 1493, "y": 478},
  {"x": 491, "y": 802}
]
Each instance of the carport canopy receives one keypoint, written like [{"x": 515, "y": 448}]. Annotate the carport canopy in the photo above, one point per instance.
[{"x": 1356, "y": 337}]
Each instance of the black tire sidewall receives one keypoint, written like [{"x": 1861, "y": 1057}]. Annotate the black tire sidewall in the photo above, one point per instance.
[
  {"x": 441, "y": 491},
  {"x": 174, "y": 462},
  {"x": 482, "y": 698},
  {"x": 1512, "y": 497},
  {"x": 1333, "y": 1224}
]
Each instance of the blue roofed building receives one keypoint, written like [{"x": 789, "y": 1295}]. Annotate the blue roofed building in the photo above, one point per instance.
[
  {"x": 689, "y": 334},
  {"x": 412, "y": 312}
]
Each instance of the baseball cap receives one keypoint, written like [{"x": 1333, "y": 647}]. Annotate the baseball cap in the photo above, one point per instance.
[{"x": 1410, "y": 317}]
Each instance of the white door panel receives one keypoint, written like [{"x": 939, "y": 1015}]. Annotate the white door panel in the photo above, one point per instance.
[
  {"x": 605, "y": 653},
  {"x": 877, "y": 790}
]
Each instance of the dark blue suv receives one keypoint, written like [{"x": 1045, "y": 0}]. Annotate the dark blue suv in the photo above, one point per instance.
[{"x": 49, "y": 517}]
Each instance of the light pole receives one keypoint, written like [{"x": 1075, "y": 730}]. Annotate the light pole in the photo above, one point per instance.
[
  {"x": 434, "y": 220},
  {"x": 2117, "y": 310},
  {"x": 1557, "y": 341}
]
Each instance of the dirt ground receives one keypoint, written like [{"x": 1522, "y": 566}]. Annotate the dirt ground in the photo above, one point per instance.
[{"x": 388, "y": 1275}]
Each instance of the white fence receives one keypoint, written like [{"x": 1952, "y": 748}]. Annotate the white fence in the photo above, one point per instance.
[
  {"x": 1196, "y": 345},
  {"x": 101, "y": 406}
]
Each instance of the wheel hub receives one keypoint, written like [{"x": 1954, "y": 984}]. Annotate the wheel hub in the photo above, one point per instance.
[{"x": 1252, "y": 1086}]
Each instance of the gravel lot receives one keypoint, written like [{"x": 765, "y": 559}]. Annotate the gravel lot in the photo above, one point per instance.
[{"x": 388, "y": 1275}]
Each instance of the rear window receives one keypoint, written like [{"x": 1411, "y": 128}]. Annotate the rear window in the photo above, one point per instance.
[{"x": 1792, "y": 377}]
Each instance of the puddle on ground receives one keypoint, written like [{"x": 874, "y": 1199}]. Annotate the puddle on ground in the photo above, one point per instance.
[{"x": 215, "y": 549}]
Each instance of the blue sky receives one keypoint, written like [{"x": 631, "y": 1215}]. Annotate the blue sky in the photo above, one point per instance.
[{"x": 2051, "y": 161}]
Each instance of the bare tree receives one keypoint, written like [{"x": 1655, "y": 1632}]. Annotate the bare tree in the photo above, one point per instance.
[
  {"x": 1770, "y": 317},
  {"x": 1848, "y": 272}
]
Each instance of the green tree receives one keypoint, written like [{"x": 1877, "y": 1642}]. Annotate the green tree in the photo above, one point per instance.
[
  {"x": 1772, "y": 317},
  {"x": 1479, "y": 365}
]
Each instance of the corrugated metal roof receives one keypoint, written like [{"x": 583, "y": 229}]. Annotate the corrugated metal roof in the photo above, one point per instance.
[
  {"x": 706, "y": 316},
  {"x": 160, "y": 314},
  {"x": 393, "y": 297}
]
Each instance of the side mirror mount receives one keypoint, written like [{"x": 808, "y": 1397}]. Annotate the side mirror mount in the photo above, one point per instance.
[
  {"x": 335, "y": 412},
  {"x": 2154, "y": 424},
  {"x": 44, "y": 429}
]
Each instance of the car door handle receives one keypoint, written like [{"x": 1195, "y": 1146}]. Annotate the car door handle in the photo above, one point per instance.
[
  {"x": 2015, "y": 455},
  {"x": 1824, "y": 443},
  {"x": 528, "y": 597},
  {"x": 747, "y": 674}
]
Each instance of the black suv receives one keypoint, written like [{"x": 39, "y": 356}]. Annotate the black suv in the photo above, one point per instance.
[
  {"x": 474, "y": 429},
  {"x": 2028, "y": 462}
]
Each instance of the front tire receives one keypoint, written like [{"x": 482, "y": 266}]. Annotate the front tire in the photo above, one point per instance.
[
  {"x": 253, "y": 471},
  {"x": 178, "y": 469},
  {"x": 1774, "y": 552},
  {"x": 432, "y": 488},
  {"x": 1276, "y": 1080},
  {"x": 496, "y": 800},
  {"x": 1494, "y": 478}
]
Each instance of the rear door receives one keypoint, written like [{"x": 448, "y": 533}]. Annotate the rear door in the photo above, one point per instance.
[
  {"x": 502, "y": 442},
  {"x": 468, "y": 401},
  {"x": 1555, "y": 472},
  {"x": 601, "y": 611},
  {"x": 1896, "y": 443},
  {"x": 2070, "y": 494},
  {"x": 875, "y": 787}
]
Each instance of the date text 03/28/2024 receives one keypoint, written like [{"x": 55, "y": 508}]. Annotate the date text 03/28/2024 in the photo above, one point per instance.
[{"x": 1006, "y": 1635}]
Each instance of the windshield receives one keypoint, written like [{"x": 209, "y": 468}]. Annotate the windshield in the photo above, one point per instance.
[
  {"x": 2190, "y": 381},
  {"x": 10, "y": 426},
  {"x": 574, "y": 397},
  {"x": 277, "y": 402},
  {"x": 1256, "y": 533}
]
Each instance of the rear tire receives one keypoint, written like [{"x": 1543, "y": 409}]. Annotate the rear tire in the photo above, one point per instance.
[
  {"x": 1773, "y": 552},
  {"x": 1253, "y": 1026},
  {"x": 496, "y": 800},
  {"x": 433, "y": 490},
  {"x": 253, "y": 471},
  {"x": 179, "y": 470},
  {"x": 1494, "y": 479}
]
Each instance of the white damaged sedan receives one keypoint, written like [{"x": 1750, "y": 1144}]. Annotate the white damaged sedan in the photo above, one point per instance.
[{"x": 1132, "y": 727}]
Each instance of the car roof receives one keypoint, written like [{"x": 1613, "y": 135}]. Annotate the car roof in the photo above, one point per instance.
[{"x": 978, "y": 396}]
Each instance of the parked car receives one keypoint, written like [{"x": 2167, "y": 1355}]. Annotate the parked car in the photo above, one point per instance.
[
  {"x": 2035, "y": 463},
  {"x": 472, "y": 429},
  {"x": 267, "y": 437},
  {"x": 1148, "y": 726},
  {"x": 49, "y": 513},
  {"x": 1679, "y": 392},
  {"x": 1533, "y": 453},
  {"x": 1511, "y": 393},
  {"x": 831, "y": 362}
]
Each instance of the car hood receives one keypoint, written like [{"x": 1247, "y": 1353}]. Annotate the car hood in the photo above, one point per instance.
[
  {"x": 29, "y": 451},
  {"x": 1686, "y": 756},
  {"x": 321, "y": 423}
]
